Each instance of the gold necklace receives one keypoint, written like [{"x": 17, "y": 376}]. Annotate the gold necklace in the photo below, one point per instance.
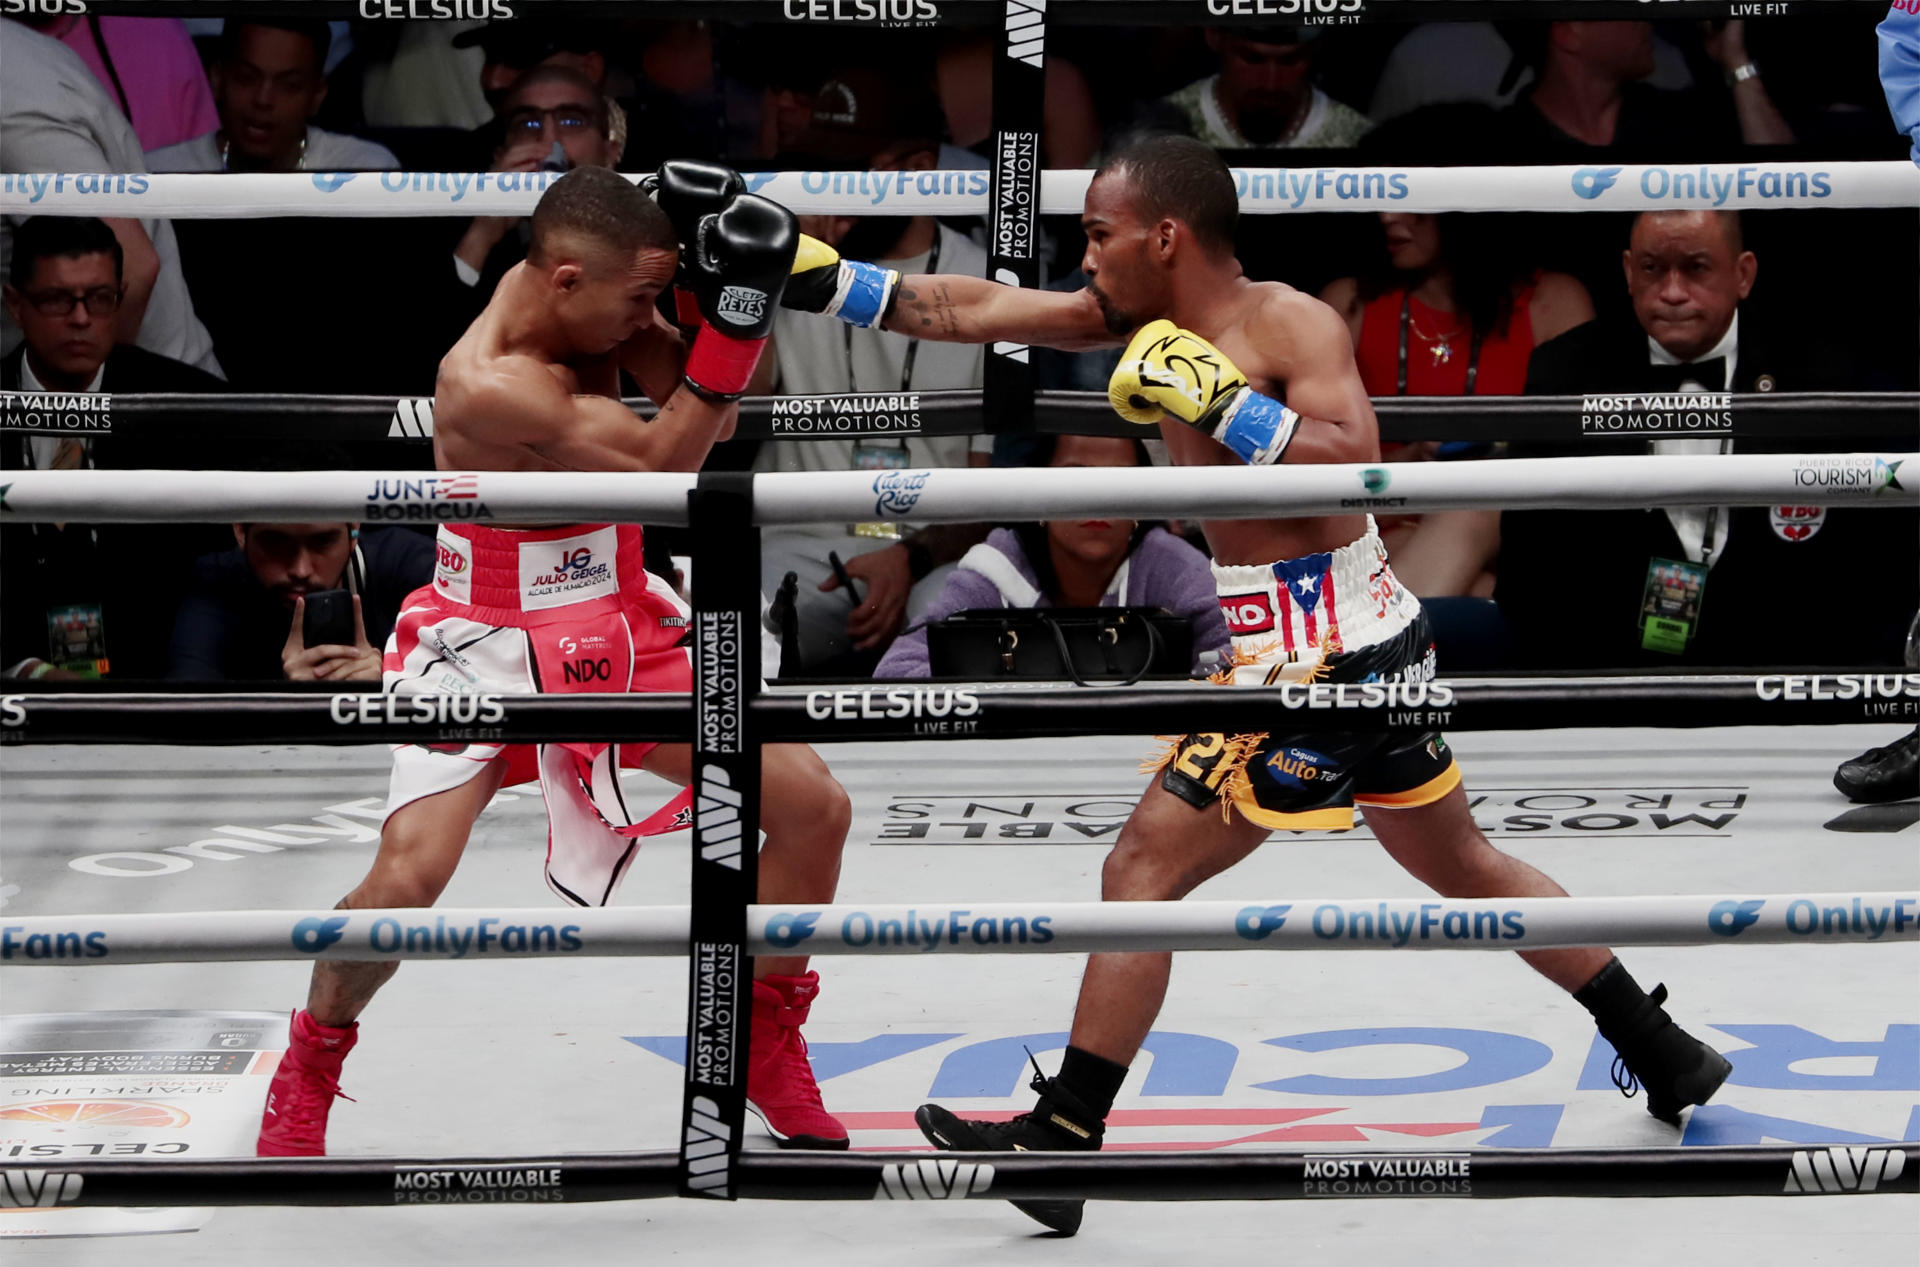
[
  {"x": 1441, "y": 343},
  {"x": 299, "y": 160}
]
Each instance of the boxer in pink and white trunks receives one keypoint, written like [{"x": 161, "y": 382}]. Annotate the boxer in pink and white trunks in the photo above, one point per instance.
[{"x": 534, "y": 385}]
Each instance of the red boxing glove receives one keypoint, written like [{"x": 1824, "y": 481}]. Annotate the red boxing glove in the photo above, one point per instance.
[{"x": 739, "y": 262}]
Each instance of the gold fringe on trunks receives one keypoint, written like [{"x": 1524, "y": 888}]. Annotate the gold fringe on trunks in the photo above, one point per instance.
[{"x": 1231, "y": 772}]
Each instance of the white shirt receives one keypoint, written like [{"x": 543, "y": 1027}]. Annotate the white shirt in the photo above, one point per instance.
[
  {"x": 42, "y": 448},
  {"x": 814, "y": 359},
  {"x": 55, "y": 117},
  {"x": 1690, "y": 522},
  {"x": 326, "y": 152}
]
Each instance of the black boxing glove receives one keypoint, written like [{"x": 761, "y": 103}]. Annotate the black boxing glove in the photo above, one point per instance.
[
  {"x": 737, "y": 267},
  {"x": 689, "y": 192}
]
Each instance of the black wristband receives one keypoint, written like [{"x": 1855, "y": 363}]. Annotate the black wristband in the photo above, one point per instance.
[
  {"x": 919, "y": 561},
  {"x": 709, "y": 395}
]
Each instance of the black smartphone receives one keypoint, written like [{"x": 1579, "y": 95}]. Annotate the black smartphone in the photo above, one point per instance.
[
  {"x": 846, "y": 582},
  {"x": 329, "y": 620}
]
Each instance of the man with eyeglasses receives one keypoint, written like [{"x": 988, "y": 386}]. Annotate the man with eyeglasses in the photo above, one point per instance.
[
  {"x": 65, "y": 606},
  {"x": 553, "y": 118}
]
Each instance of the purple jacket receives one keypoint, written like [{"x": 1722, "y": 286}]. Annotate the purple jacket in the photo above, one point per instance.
[{"x": 1162, "y": 571}]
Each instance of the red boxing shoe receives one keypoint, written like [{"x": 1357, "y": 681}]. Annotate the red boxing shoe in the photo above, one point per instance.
[
  {"x": 303, "y": 1089},
  {"x": 780, "y": 1086}
]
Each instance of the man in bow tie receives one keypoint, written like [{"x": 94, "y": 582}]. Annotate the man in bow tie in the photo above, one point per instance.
[{"x": 1702, "y": 585}]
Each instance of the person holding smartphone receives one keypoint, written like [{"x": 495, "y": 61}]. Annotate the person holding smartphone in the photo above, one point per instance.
[{"x": 309, "y": 602}]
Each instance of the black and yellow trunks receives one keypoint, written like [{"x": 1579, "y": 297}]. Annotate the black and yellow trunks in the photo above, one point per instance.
[{"x": 1312, "y": 782}]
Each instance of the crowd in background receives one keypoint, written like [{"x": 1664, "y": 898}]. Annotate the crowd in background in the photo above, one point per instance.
[{"x": 1460, "y": 304}]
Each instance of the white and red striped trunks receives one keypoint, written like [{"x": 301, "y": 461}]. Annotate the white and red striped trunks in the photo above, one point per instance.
[{"x": 567, "y": 609}]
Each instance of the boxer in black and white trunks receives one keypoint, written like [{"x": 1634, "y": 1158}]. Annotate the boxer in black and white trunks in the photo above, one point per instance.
[{"x": 1209, "y": 357}]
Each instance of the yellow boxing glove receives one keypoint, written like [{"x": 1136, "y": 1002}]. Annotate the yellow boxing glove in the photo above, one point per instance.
[
  {"x": 1167, "y": 371},
  {"x": 859, "y": 294}
]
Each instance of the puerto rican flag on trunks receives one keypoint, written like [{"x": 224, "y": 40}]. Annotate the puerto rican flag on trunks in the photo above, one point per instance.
[{"x": 1306, "y": 607}]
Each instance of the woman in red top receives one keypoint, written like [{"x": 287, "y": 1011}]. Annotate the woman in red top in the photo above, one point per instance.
[{"x": 1422, "y": 329}]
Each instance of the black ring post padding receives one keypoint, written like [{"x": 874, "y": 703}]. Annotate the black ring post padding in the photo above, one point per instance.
[
  {"x": 862, "y": 711},
  {"x": 726, "y": 830},
  {"x": 1218, "y": 1175},
  {"x": 1862, "y": 417}
]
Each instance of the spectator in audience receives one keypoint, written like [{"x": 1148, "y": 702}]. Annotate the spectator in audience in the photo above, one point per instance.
[
  {"x": 514, "y": 46},
  {"x": 1072, "y": 563},
  {"x": 269, "y": 78},
  {"x": 865, "y": 120},
  {"x": 1590, "y": 92},
  {"x": 418, "y": 78},
  {"x": 63, "y": 291},
  {"x": 148, "y": 66},
  {"x": 546, "y": 107},
  {"x": 1263, "y": 96},
  {"x": 65, "y": 287},
  {"x": 1899, "y": 36},
  {"x": 1449, "y": 308},
  {"x": 55, "y": 117},
  {"x": 1576, "y": 587},
  {"x": 243, "y": 619},
  {"x": 963, "y": 77},
  {"x": 1439, "y": 62}
]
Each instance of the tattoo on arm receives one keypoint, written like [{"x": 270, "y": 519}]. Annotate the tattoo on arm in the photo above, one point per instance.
[{"x": 943, "y": 308}]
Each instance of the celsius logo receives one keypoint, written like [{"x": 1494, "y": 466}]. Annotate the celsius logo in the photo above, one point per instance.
[
  {"x": 788, "y": 931},
  {"x": 330, "y": 182},
  {"x": 1255, "y": 922},
  {"x": 1591, "y": 182},
  {"x": 310, "y": 936},
  {"x": 1730, "y": 919}
]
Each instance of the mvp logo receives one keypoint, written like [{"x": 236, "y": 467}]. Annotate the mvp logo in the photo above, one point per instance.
[
  {"x": 709, "y": 1169},
  {"x": 1844, "y": 1169},
  {"x": 717, "y": 818},
  {"x": 932, "y": 1181},
  {"x": 25, "y": 1189}
]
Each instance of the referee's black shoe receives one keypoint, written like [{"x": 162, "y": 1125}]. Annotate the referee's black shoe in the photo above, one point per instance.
[
  {"x": 1059, "y": 1123},
  {"x": 1879, "y": 775}
]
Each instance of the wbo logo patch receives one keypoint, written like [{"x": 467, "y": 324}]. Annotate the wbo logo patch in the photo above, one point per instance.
[{"x": 1796, "y": 523}]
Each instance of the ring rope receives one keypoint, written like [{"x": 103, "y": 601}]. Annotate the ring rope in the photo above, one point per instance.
[
  {"x": 67, "y": 713},
  {"x": 964, "y": 192},
  {"x": 1223, "y": 1175},
  {"x": 966, "y": 495},
  {"x": 1887, "y": 416},
  {"x": 489, "y": 934}
]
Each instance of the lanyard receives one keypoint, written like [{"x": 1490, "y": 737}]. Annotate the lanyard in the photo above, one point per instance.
[
  {"x": 1406, "y": 320},
  {"x": 913, "y": 345}
]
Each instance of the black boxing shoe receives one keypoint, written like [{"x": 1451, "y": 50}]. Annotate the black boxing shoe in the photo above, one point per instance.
[
  {"x": 1059, "y": 1123},
  {"x": 1675, "y": 1068},
  {"x": 1879, "y": 775}
]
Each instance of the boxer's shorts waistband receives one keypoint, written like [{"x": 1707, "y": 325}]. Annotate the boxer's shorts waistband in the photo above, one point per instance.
[
  {"x": 1337, "y": 600},
  {"x": 524, "y": 578}
]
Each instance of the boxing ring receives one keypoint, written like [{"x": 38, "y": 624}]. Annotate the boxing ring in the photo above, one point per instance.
[{"x": 1670, "y": 803}]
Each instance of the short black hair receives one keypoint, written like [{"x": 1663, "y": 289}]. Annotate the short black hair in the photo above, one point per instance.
[
  {"x": 1729, "y": 219},
  {"x": 319, "y": 34},
  {"x": 605, "y": 207},
  {"x": 1179, "y": 178},
  {"x": 55, "y": 237}
]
